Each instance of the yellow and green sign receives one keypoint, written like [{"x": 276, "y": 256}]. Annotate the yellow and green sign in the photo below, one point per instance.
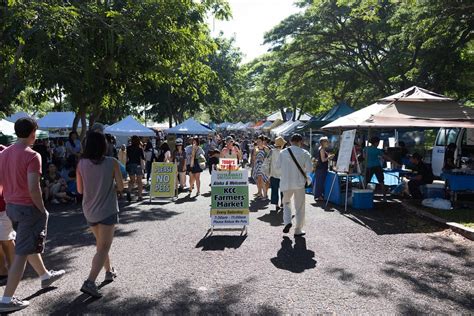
[{"x": 163, "y": 179}]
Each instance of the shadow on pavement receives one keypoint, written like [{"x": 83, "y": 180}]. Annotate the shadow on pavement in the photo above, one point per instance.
[
  {"x": 294, "y": 258},
  {"x": 186, "y": 198},
  {"x": 438, "y": 276},
  {"x": 273, "y": 218},
  {"x": 180, "y": 299},
  {"x": 258, "y": 204},
  {"x": 433, "y": 277},
  {"x": 213, "y": 243},
  {"x": 130, "y": 215},
  {"x": 388, "y": 218}
]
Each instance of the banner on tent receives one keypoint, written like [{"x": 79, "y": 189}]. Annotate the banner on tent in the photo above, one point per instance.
[
  {"x": 163, "y": 179},
  {"x": 229, "y": 198}
]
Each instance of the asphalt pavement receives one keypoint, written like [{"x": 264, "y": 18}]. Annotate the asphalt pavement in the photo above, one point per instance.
[{"x": 374, "y": 262}]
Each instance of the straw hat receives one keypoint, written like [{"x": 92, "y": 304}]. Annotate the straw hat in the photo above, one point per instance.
[{"x": 280, "y": 141}]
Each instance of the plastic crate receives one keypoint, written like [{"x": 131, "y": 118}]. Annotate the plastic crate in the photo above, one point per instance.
[
  {"x": 434, "y": 190},
  {"x": 362, "y": 199}
]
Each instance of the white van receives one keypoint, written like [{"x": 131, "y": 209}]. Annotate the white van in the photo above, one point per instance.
[{"x": 463, "y": 138}]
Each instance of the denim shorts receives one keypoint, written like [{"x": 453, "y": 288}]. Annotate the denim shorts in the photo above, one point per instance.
[
  {"x": 111, "y": 220},
  {"x": 135, "y": 169},
  {"x": 30, "y": 225}
]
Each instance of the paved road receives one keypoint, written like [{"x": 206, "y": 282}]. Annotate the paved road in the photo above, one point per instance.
[{"x": 379, "y": 261}]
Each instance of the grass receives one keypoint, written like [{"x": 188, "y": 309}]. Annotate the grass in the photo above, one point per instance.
[{"x": 461, "y": 216}]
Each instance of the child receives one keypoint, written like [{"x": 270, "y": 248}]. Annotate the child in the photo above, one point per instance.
[
  {"x": 214, "y": 156},
  {"x": 7, "y": 240}
]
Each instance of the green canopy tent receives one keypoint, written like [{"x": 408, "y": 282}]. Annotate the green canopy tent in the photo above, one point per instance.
[{"x": 333, "y": 114}]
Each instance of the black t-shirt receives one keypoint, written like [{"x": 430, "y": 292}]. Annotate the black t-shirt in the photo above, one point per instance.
[
  {"x": 135, "y": 155},
  {"x": 425, "y": 172}
]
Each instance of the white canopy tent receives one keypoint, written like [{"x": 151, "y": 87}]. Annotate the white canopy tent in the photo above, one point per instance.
[
  {"x": 129, "y": 127},
  {"x": 289, "y": 116},
  {"x": 284, "y": 128},
  {"x": 58, "y": 120},
  {"x": 189, "y": 127},
  {"x": 413, "y": 107}
]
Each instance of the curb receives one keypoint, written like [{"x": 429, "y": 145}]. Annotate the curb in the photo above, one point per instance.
[{"x": 456, "y": 227}]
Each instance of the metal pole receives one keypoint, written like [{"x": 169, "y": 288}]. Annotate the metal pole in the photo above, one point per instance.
[{"x": 311, "y": 141}]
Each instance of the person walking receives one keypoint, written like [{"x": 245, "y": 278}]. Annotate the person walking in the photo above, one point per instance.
[
  {"x": 322, "y": 167},
  {"x": 98, "y": 178},
  {"x": 135, "y": 158},
  {"x": 122, "y": 155},
  {"x": 179, "y": 158},
  {"x": 20, "y": 178},
  {"x": 275, "y": 172},
  {"x": 73, "y": 149},
  {"x": 231, "y": 150},
  {"x": 294, "y": 162},
  {"x": 7, "y": 237},
  {"x": 258, "y": 173},
  {"x": 165, "y": 153},
  {"x": 150, "y": 156},
  {"x": 197, "y": 154}
]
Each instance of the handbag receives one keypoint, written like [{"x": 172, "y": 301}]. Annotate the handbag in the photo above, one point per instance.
[{"x": 307, "y": 181}]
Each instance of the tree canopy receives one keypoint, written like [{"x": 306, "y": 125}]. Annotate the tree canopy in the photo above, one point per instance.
[{"x": 105, "y": 59}]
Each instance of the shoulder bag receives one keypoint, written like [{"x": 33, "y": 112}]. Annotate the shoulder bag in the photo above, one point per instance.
[{"x": 307, "y": 180}]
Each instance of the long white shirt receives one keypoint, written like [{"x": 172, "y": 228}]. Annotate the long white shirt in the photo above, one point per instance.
[
  {"x": 275, "y": 172},
  {"x": 291, "y": 178}
]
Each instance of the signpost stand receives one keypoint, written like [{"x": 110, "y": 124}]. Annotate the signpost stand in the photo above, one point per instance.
[
  {"x": 229, "y": 201},
  {"x": 163, "y": 180},
  {"x": 346, "y": 150}
]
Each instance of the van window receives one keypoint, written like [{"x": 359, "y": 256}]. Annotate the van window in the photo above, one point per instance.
[{"x": 451, "y": 133}]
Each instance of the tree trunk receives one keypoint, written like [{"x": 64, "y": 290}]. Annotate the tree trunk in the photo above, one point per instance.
[{"x": 84, "y": 124}]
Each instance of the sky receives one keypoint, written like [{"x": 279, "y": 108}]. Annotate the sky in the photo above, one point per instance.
[{"x": 250, "y": 20}]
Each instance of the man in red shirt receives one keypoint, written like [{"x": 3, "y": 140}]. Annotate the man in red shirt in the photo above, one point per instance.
[{"x": 20, "y": 177}]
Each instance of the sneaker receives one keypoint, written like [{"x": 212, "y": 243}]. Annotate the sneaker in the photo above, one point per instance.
[
  {"x": 90, "y": 288},
  {"x": 55, "y": 275},
  {"x": 300, "y": 234},
  {"x": 14, "y": 305},
  {"x": 55, "y": 201},
  {"x": 287, "y": 228},
  {"x": 110, "y": 275}
]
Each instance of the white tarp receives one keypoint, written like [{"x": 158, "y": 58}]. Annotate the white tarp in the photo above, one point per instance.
[
  {"x": 189, "y": 127},
  {"x": 129, "y": 127},
  {"x": 7, "y": 128},
  {"x": 58, "y": 120},
  {"x": 284, "y": 128},
  {"x": 413, "y": 107},
  {"x": 14, "y": 117},
  {"x": 289, "y": 116}
]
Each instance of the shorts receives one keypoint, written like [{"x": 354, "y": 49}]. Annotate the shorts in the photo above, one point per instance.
[
  {"x": 111, "y": 220},
  {"x": 135, "y": 169},
  {"x": 378, "y": 171},
  {"x": 31, "y": 226},
  {"x": 6, "y": 228}
]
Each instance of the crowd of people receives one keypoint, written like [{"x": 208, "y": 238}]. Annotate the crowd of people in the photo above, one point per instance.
[{"x": 95, "y": 172}]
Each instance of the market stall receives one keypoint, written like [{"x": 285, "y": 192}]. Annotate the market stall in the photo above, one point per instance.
[
  {"x": 412, "y": 108},
  {"x": 190, "y": 127}
]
